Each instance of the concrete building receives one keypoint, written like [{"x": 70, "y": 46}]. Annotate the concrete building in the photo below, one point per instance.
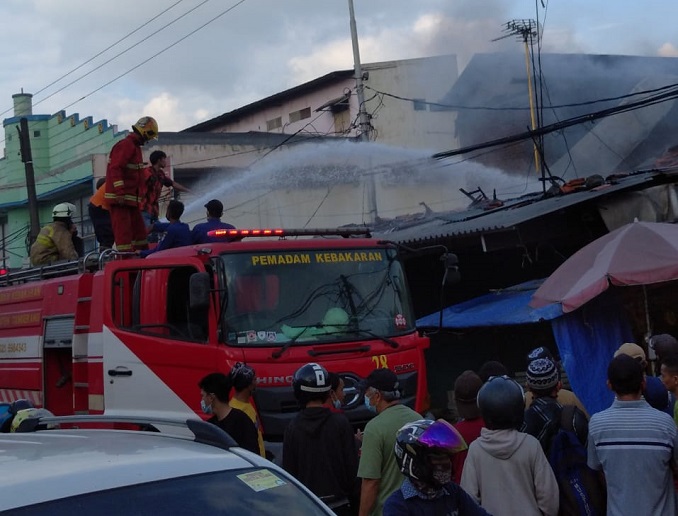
[{"x": 400, "y": 98}]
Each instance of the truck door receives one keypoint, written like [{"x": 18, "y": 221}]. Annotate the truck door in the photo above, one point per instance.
[{"x": 156, "y": 346}]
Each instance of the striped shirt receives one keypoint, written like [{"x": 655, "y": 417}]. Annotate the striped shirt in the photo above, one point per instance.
[{"x": 635, "y": 446}]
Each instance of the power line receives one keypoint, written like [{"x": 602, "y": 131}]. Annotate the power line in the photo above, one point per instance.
[
  {"x": 529, "y": 135},
  {"x": 157, "y": 53},
  {"x": 506, "y": 108},
  {"x": 102, "y": 52},
  {"x": 124, "y": 52}
]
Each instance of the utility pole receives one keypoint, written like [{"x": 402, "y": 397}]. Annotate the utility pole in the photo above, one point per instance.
[
  {"x": 526, "y": 30},
  {"x": 27, "y": 159},
  {"x": 362, "y": 113}
]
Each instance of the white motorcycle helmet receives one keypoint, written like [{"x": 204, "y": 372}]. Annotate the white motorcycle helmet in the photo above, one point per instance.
[{"x": 64, "y": 210}]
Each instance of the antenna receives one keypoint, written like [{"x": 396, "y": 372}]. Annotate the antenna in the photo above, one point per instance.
[{"x": 526, "y": 31}]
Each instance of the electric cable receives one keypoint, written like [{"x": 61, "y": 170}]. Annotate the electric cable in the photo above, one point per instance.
[{"x": 103, "y": 51}]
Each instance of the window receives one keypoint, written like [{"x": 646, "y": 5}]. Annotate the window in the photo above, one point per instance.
[
  {"x": 295, "y": 116},
  {"x": 345, "y": 294},
  {"x": 420, "y": 105},
  {"x": 36, "y": 134},
  {"x": 275, "y": 123},
  {"x": 342, "y": 121},
  {"x": 220, "y": 492},
  {"x": 156, "y": 302}
]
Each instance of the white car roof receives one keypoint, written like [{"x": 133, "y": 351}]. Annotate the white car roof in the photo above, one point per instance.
[{"x": 52, "y": 464}]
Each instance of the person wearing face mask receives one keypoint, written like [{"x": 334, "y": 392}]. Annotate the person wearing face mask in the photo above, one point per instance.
[
  {"x": 244, "y": 383},
  {"x": 378, "y": 469},
  {"x": 424, "y": 451},
  {"x": 318, "y": 446},
  {"x": 214, "y": 391},
  {"x": 336, "y": 399}
]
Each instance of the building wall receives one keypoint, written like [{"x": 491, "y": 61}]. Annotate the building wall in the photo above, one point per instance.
[
  {"x": 408, "y": 124},
  {"x": 68, "y": 152},
  {"x": 396, "y": 122},
  {"x": 316, "y": 122}
]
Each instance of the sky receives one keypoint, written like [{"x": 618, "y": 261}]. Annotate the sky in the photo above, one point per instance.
[{"x": 186, "y": 61}]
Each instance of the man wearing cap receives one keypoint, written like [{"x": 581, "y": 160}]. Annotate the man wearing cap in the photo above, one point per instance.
[
  {"x": 654, "y": 391},
  {"x": 214, "y": 212},
  {"x": 378, "y": 468},
  {"x": 466, "y": 389},
  {"x": 565, "y": 397},
  {"x": 634, "y": 445},
  {"x": 543, "y": 418}
]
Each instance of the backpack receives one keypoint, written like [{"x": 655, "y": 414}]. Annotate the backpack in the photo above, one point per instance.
[{"x": 582, "y": 489}]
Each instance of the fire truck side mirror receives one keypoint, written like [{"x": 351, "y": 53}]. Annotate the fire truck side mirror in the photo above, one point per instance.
[
  {"x": 451, "y": 275},
  {"x": 199, "y": 290}
]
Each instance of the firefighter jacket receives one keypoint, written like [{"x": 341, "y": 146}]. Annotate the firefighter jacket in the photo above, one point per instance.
[
  {"x": 54, "y": 242},
  {"x": 124, "y": 174}
]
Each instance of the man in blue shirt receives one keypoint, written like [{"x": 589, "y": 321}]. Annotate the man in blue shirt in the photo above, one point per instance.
[
  {"x": 177, "y": 233},
  {"x": 214, "y": 212}
]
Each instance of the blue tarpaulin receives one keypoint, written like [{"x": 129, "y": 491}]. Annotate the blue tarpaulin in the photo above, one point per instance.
[
  {"x": 503, "y": 308},
  {"x": 586, "y": 338}
]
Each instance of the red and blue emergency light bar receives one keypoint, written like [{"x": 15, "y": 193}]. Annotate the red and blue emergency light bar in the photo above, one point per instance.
[{"x": 282, "y": 233}]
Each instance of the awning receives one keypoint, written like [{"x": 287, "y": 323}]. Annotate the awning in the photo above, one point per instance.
[
  {"x": 506, "y": 307},
  {"x": 336, "y": 104},
  {"x": 75, "y": 188}
]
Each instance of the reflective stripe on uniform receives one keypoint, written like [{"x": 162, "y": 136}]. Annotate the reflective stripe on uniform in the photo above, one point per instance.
[
  {"x": 46, "y": 240},
  {"x": 117, "y": 184},
  {"x": 136, "y": 166}
]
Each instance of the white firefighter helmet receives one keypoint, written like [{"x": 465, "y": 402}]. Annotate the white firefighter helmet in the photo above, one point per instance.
[{"x": 64, "y": 210}]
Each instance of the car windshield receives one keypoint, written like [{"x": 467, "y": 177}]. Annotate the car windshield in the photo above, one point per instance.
[
  {"x": 314, "y": 296},
  {"x": 242, "y": 492}
]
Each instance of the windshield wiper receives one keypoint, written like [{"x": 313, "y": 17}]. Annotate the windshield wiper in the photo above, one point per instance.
[
  {"x": 388, "y": 341},
  {"x": 278, "y": 352}
]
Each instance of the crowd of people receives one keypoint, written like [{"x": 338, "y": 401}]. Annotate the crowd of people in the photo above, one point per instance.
[
  {"x": 511, "y": 450},
  {"x": 124, "y": 208}
]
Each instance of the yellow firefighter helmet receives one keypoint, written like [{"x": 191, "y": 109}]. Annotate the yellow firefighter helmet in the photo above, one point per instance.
[{"x": 147, "y": 127}]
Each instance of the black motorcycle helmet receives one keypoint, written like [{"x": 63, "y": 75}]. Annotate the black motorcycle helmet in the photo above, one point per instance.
[
  {"x": 311, "y": 382},
  {"x": 416, "y": 442},
  {"x": 502, "y": 403}
]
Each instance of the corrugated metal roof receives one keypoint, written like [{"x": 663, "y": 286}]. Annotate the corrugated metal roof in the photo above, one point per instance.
[{"x": 513, "y": 213}]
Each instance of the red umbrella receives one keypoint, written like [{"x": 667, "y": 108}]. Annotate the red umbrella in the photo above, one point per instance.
[{"x": 639, "y": 253}]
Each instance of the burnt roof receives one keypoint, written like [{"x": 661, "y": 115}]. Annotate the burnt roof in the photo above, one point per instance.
[{"x": 419, "y": 231}]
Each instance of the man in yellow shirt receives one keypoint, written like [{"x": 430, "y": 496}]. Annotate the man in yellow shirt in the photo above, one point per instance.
[{"x": 244, "y": 382}]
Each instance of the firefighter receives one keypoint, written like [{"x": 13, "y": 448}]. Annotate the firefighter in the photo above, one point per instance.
[
  {"x": 124, "y": 186},
  {"x": 56, "y": 240}
]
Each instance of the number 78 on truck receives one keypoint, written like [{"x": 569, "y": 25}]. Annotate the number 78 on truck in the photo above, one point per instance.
[{"x": 131, "y": 336}]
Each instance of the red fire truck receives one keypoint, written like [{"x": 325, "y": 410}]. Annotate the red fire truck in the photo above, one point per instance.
[{"x": 132, "y": 335}]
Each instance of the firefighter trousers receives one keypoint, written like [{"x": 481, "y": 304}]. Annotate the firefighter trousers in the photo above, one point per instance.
[{"x": 129, "y": 230}]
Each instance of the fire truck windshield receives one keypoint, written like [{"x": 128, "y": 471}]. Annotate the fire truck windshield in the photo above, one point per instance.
[{"x": 328, "y": 295}]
